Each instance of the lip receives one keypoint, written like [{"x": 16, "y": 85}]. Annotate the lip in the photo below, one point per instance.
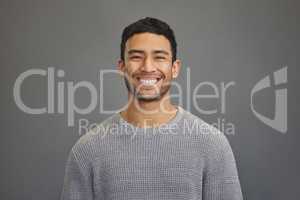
[
  {"x": 148, "y": 76},
  {"x": 147, "y": 81}
]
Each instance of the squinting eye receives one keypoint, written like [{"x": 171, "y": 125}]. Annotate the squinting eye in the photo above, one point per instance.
[
  {"x": 160, "y": 58},
  {"x": 135, "y": 57}
]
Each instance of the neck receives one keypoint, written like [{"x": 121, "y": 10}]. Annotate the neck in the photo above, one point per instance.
[{"x": 149, "y": 113}]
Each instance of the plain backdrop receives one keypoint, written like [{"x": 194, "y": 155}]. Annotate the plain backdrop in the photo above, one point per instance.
[{"x": 219, "y": 41}]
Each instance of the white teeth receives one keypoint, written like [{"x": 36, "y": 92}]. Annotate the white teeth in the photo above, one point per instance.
[{"x": 148, "y": 81}]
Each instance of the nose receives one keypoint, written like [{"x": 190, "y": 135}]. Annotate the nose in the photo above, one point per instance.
[{"x": 148, "y": 65}]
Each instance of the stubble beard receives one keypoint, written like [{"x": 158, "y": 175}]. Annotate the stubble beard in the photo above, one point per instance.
[{"x": 142, "y": 98}]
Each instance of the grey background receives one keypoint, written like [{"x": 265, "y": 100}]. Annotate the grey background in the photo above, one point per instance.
[{"x": 221, "y": 41}]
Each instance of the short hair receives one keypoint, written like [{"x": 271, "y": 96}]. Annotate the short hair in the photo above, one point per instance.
[{"x": 149, "y": 25}]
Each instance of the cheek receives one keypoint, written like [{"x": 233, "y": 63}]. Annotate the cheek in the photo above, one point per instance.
[
  {"x": 167, "y": 72},
  {"x": 131, "y": 68},
  {"x": 165, "y": 66}
]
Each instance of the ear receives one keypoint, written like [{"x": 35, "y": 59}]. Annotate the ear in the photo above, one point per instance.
[
  {"x": 176, "y": 68},
  {"x": 121, "y": 65}
]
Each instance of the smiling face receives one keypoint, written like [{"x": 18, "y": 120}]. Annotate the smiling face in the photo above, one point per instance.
[{"x": 148, "y": 66}]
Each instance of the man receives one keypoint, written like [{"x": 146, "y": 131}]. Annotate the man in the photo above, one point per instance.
[{"x": 152, "y": 149}]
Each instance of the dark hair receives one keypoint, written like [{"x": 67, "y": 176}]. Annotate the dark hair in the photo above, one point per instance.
[{"x": 150, "y": 25}]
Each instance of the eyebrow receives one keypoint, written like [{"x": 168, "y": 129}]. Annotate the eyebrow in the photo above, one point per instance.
[
  {"x": 132, "y": 51},
  {"x": 161, "y": 52}
]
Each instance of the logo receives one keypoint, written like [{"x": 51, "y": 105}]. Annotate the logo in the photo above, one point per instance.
[
  {"x": 61, "y": 92},
  {"x": 279, "y": 122}
]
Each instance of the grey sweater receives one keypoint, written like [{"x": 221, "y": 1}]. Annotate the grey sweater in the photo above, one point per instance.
[{"x": 183, "y": 159}]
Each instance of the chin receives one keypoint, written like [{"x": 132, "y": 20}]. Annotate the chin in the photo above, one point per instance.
[{"x": 148, "y": 98}]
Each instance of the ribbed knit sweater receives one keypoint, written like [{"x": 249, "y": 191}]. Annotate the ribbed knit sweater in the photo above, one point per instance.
[{"x": 184, "y": 159}]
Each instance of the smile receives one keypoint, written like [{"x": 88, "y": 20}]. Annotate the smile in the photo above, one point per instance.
[{"x": 148, "y": 81}]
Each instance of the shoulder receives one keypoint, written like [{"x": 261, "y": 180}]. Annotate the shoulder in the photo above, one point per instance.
[
  {"x": 218, "y": 157},
  {"x": 89, "y": 145},
  {"x": 212, "y": 140}
]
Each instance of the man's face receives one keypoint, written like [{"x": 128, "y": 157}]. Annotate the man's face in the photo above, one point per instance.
[{"x": 148, "y": 66}]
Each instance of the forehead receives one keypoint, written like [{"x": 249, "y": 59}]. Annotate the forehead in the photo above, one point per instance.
[{"x": 148, "y": 42}]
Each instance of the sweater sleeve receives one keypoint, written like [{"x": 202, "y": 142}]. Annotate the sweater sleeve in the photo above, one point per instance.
[
  {"x": 77, "y": 181},
  {"x": 221, "y": 180}
]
